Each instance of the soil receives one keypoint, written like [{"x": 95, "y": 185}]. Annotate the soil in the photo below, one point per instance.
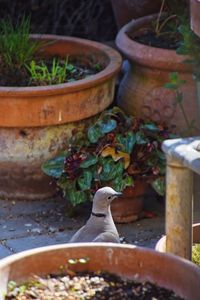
[
  {"x": 164, "y": 41},
  {"x": 20, "y": 77},
  {"x": 87, "y": 286}
]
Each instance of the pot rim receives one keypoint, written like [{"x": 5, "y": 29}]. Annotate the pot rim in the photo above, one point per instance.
[
  {"x": 110, "y": 70},
  {"x": 158, "y": 58}
]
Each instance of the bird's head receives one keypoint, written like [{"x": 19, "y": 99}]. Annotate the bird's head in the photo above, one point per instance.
[{"x": 104, "y": 196}]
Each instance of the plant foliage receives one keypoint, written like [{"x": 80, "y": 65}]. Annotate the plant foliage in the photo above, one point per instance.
[{"x": 114, "y": 150}]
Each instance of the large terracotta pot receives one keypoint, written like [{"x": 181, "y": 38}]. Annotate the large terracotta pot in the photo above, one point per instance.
[
  {"x": 161, "y": 244},
  {"x": 126, "y": 10},
  {"x": 195, "y": 15},
  {"x": 129, "y": 208},
  {"x": 127, "y": 261},
  {"x": 37, "y": 122},
  {"x": 142, "y": 92}
]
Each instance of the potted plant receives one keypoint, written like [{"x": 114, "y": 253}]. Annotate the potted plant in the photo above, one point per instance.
[
  {"x": 42, "y": 101},
  {"x": 150, "y": 44},
  {"x": 126, "y": 10},
  {"x": 115, "y": 150},
  {"x": 129, "y": 262}
]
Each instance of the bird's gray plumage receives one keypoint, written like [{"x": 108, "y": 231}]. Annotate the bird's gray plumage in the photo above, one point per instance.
[{"x": 99, "y": 229}]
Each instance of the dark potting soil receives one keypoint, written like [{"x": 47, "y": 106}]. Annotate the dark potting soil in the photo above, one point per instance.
[
  {"x": 20, "y": 77},
  {"x": 87, "y": 286},
  {"x": 164, "y": 41}
]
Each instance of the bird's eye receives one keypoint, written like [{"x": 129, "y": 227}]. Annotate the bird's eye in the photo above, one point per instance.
[{"x": 110, "y": 197}]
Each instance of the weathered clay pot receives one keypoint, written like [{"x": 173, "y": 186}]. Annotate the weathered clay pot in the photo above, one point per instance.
[
  {"x": 126, "y": 10},
  {"x": 37, "y": 122},
  {"x": 195, "y": 15},
  {"x": 129, "y": 208},
  {"x": 142, "y": 92},
  {"x": 127, "y": 261},
  {"x": 161, "y": 244}
]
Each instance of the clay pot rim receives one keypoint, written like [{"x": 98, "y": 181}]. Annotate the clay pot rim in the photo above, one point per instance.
[
  {"x": 145, "y": 55},
  {"x": 39, "y": 250},
  {"x": 110, "y": 70}
]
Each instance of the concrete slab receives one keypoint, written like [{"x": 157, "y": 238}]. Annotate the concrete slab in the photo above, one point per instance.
[{"x": 4, "y": 251}]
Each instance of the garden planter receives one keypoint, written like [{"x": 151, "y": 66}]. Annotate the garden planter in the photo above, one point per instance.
[
  {"x": 129, "y": 208},
  {"x": 126, "y": 10},
  {"x": 37, "y": 122},
  {"x": 142, "y": 92},
  {"x": 195, "y": 16},
  {"x": 161, "y": 244},
  {"x": 127, "y": 261}
]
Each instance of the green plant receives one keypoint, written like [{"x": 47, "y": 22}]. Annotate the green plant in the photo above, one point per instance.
[
  {"x": 196, "y": 254},
  {"x": 114, "y": 150},
  {"x": 56, "y": 73},
  {"x": 16, "y": 48},
  {"x": 176, "y": 84}
]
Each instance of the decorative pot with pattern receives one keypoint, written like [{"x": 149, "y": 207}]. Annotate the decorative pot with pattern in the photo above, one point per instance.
[
  {"x": 142, "y": 92},
  {"x": 127, "y": 261},
  {"x": 37, "y": 122}
]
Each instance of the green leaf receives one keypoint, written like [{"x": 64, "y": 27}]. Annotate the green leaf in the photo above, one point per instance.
[
  {"x": 119, "y": 183},
  {"x": 127, "y": 141},
  {"x": 150, "y": 127},
  {"x": 54, "y": 167},
  {"x": 108, "y": 126},
  {"x": 89, "y": 161},
  {"x": 84, "y": 181},
  {"x": 111, "y": 169},
  {"x": 94, "y": 133},
  {"x": 159, "y": 186},
  {"x": 140, "y": 138},
  {"x": 76, "y": 197}
]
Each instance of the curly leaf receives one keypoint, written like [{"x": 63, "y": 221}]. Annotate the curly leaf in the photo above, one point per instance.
[
  {"x": 84, "y": 181},
  {"x": 159, "y": 186},
  {"x": 108, "y": 126},
  {"x": 127, "y": 141},
  {"x": 89, "y": 161},
  {"x": 76, "y": 197},
  {"x": 94, "y": 133},
  {"x": 141, "y": 139},
  {"x": 119, "y": 183},
  {"x": 150, "y": 127},
  {"x": 110, "y": 169},
  {"x": 54, "y": 167},
  {"x": 116, "y": 155}
]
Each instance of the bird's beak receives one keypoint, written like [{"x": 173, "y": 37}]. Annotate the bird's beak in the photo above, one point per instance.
[{"x": 119, "y": 195}]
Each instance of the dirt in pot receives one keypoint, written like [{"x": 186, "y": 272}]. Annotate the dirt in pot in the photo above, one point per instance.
[
  {"x": 100, "y": 285},
  {"x": 48, "y": 71}
]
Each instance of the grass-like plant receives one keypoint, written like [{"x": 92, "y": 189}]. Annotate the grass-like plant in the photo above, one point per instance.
[
  {"x": 41, "y": 74},
  {"x": 16, "y": 47}
]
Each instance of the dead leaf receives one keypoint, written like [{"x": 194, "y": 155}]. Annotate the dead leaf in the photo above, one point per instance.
[{"x": 116, "y": 155}]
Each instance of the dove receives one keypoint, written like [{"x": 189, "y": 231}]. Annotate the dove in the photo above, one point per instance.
[{"x": 100, "y": 226}]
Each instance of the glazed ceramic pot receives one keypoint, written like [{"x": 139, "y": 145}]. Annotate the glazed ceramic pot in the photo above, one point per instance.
[
  {"x": 142, "y": 92},
  {"x": 127, "y": 261},
  {"x": 161, "y": 244},
  {"x": 126, "y": 10},
  {"x": 37, "y": 122},
  {"x": 129, "y": 208}
]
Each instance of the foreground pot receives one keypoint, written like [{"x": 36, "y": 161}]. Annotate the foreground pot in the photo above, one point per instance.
[
  {"x": 131, "y": 262},
  {"x": 129, "y": 208},
  {"x": 142, "y": 92},
  {"x": 161, "y": 244},
  {"x": 126, "y": 10},
  {"x": 37, "y": 122}
]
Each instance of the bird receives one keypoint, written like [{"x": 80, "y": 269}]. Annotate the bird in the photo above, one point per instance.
[{"x": 100, "y": 226}]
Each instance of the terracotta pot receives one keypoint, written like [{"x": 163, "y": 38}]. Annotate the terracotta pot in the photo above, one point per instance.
[
  {"x": 142, "y": 92},
  {"x": 161, "y": 244},
  {"x": 129, "y": 208},
  {"x": 166, "y": 270},
  {"x": 126, "y": 10},
  {"x": 195, "y": 15},
  {"x": 37, "y": 122}
]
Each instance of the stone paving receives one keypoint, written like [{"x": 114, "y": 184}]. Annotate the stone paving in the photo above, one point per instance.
[{"x": 25, "y": 225}]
